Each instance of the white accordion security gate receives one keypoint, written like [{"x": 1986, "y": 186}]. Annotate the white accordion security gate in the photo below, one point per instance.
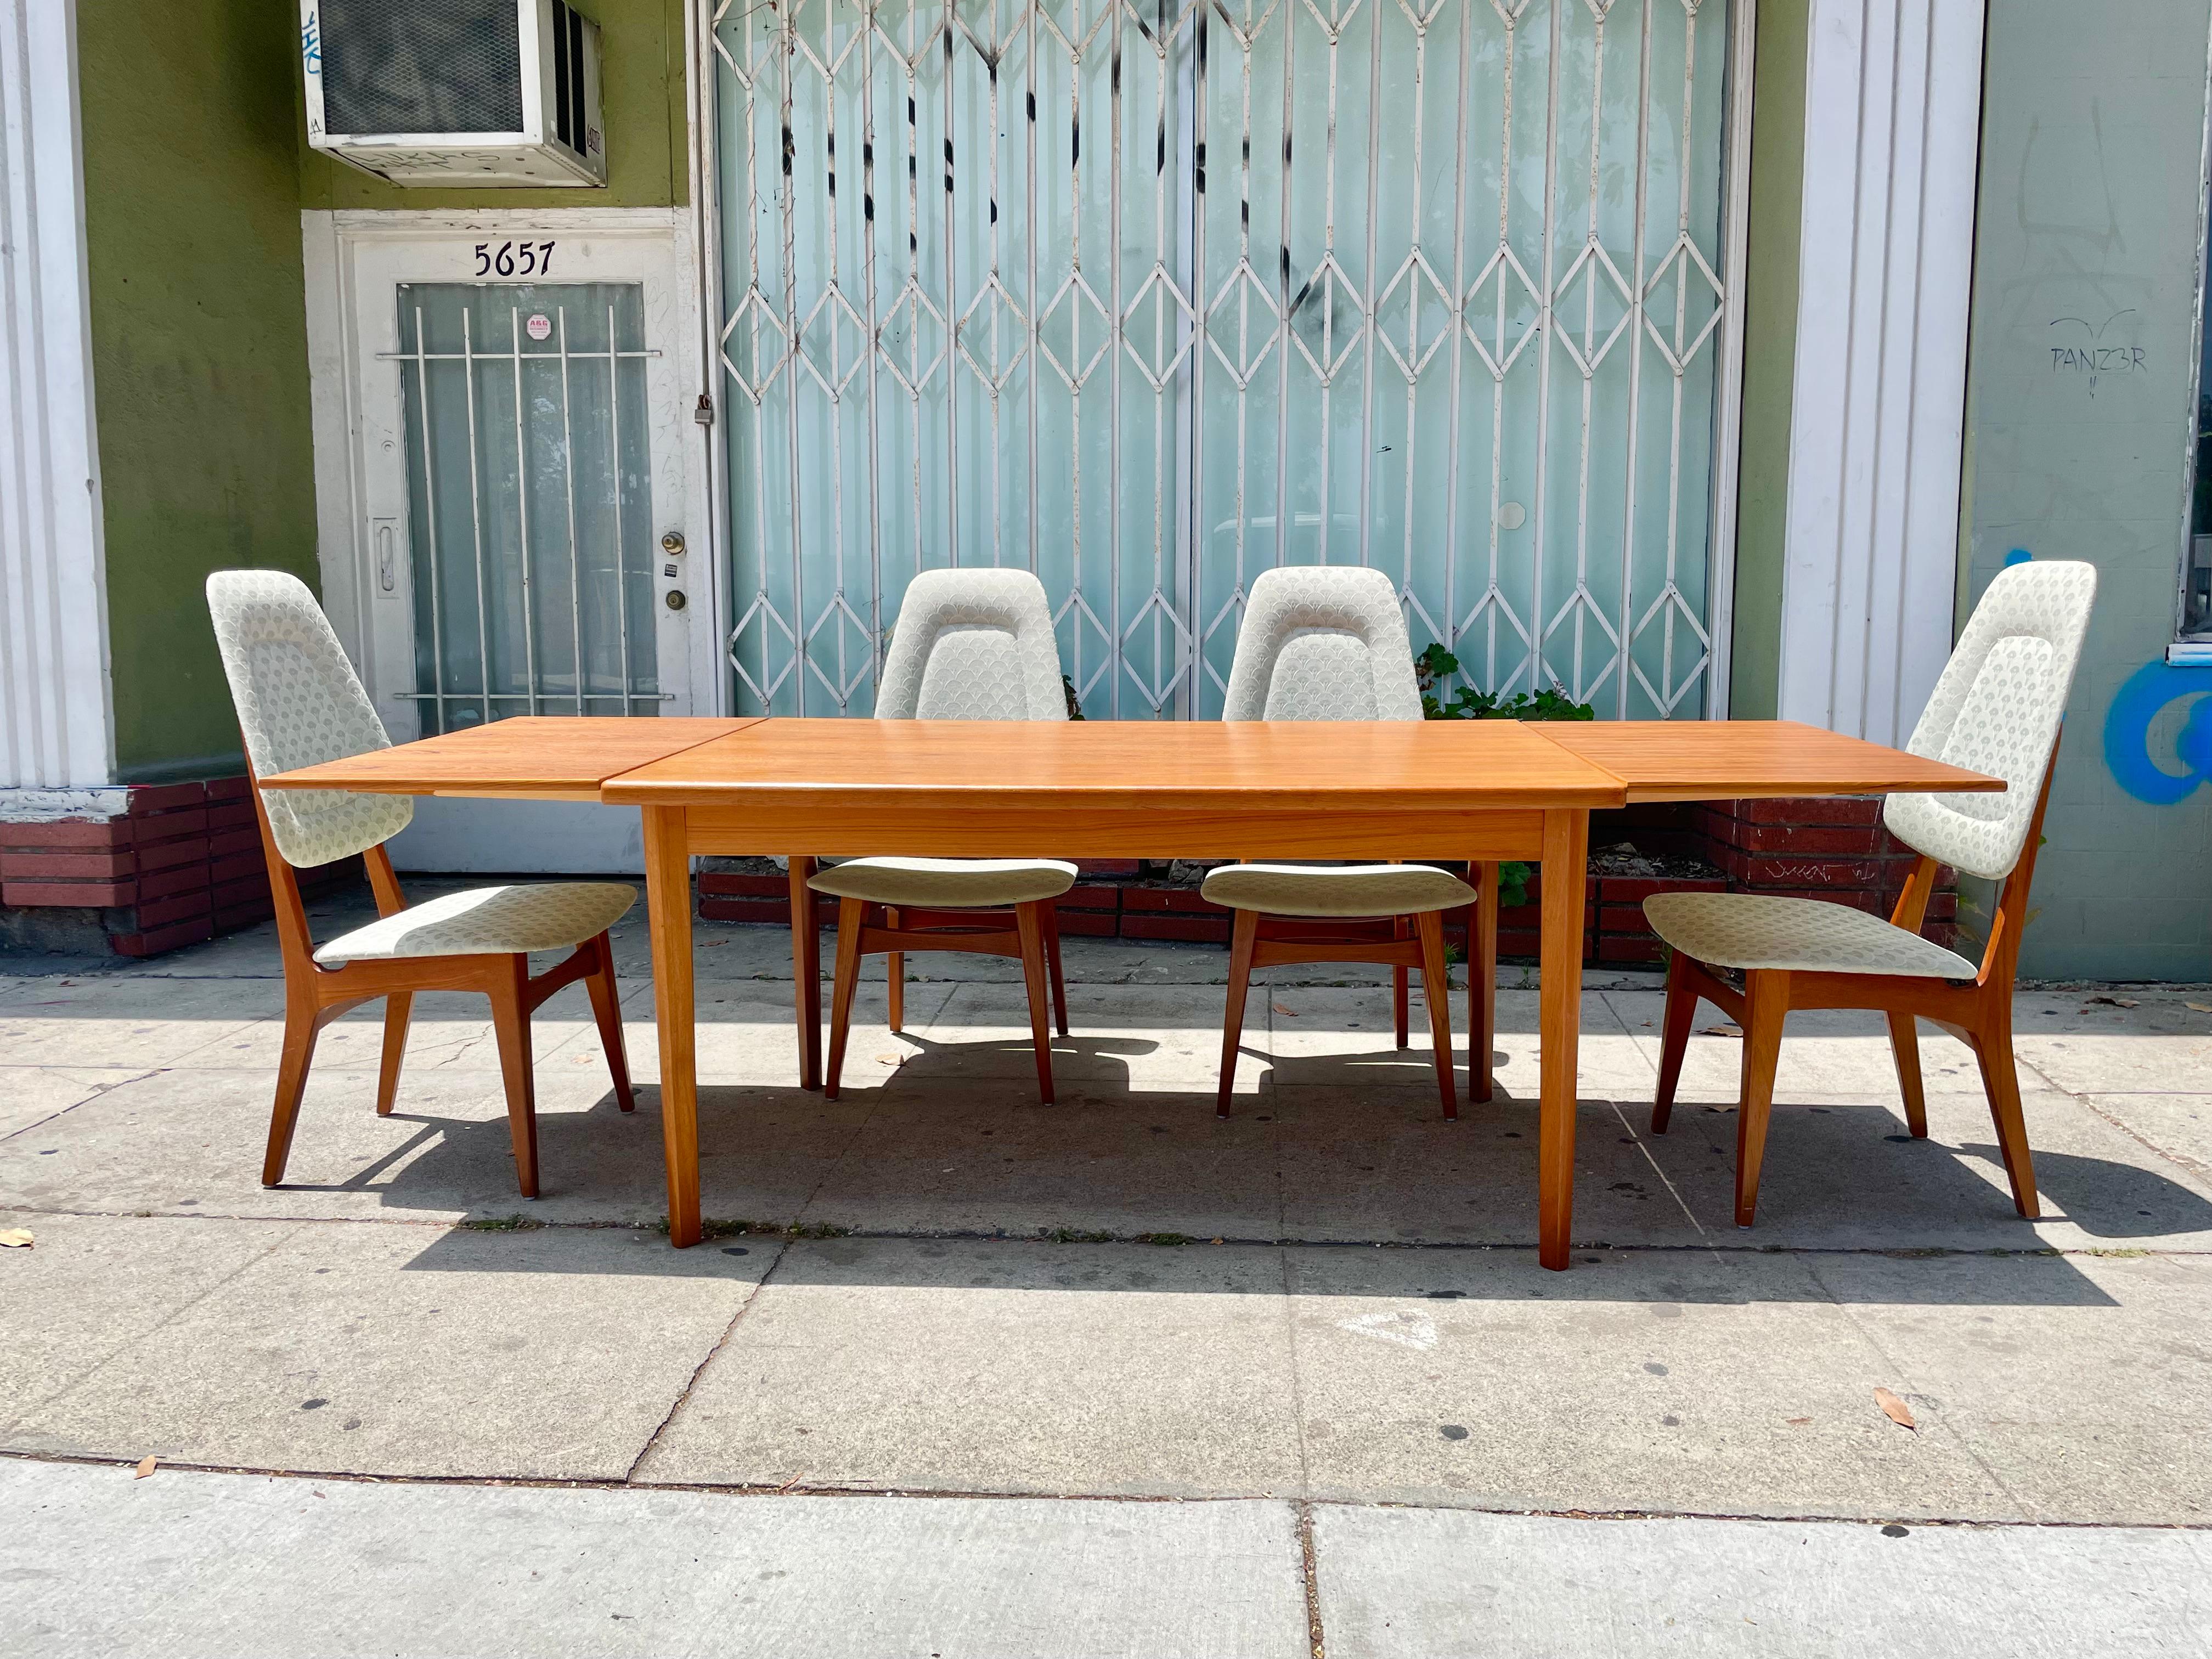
[{"x": 1148, "y": 295}]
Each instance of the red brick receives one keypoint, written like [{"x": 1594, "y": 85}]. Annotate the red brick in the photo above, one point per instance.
[
  {"x": 1943, "y": 906},
  {"x": 97, "y": 895},
  {"x": 223, "y": 841},
  {"x": 1108, "y": 866},
  {"x": 67, "y": 832},
  {"x": 161, "y": 797},
  {"x": 237, "y": 866},
  {"x": 153, "y": 943},
  {"x": 168, "y": 826},
  {"x": 162, "y": 855},
  {"x": 162, "y": 912},
  {"x": 1518, "y": 941},
  {"x": 1184, "y": 900},
  {"x": 1622, "y": 919},
  {"x": 255, "y": 886},
  {"x": 723, "y": 909},
  {"x": 1766, "y": 873},
  {"x": 228, "y": 789},
  {"x": 1634, "y": 890},
  {"x": 729, "y": 884},
  {"x": 1207, "y": 930},
  {"x": 1811, "y": 809},
  {"x": 1619, "y": 947},
  {"x": 177, "y": 878},
  {"x": 1091, "y": 898},
  {"x": 232, "y": 815},
  {"x": 1088, "y": 924},
  {"x": 82, "y": 864}
]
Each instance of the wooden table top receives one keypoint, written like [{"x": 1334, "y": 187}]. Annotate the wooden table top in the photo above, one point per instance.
[
  {"x": 1168, "y": 765},
  {"x": 532, "y": 757},
  {"x": 1719, "y": 760}
]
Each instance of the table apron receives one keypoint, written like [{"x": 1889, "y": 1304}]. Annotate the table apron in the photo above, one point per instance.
[{"x": 826, "y": 827}]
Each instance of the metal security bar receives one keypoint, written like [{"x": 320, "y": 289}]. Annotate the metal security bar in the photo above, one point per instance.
[
  {"x": 1148, "y": 295},
  {"x": 529, "y": 492}
]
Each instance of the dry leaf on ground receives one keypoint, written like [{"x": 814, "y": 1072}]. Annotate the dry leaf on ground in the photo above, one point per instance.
[
  {"x": 145, "y": 1467},
  {"x": 1287, "y": 1013},
  {"x": 2116, "y": 1002},
  {"x": 1722, "y": 1030},
  {"x": 890, "y": 1060},
  {"x": 15, "y": 1238},
  {"x": 1894, "y": 1409},
  {"x": 2201, "y": 1007}
]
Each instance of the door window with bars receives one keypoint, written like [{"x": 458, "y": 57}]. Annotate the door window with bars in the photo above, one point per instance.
[
  {"x": 529, "y": 500},
  {"x": 1148, "y": 295}
]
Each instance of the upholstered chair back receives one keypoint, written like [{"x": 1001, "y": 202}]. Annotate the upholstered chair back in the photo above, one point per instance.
[
  {"x": 1322, "y": 642},
  {"x": 300, "y": 703},
  {"x": 1996, "y": 709},
  {"x": 973, "y": 645}
]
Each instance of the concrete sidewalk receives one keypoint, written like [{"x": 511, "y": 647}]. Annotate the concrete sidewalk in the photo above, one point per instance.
[
  {"x": 1326, "y": 1305},
  {"x": 222, "y": 1567}
]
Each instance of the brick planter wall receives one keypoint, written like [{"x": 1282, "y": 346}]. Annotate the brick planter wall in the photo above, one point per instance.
[{"x": 182, "y": 863}]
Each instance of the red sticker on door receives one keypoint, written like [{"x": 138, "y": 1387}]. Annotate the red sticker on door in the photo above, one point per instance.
[{"x": 538, "y": 326}]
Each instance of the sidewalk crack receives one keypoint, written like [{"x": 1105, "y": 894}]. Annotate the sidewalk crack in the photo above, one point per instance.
[{"x": 683, "y": 1396}]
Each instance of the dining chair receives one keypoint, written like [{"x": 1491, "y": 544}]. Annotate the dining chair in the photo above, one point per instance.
[
  {"x": 968, "y": 645},
  {"x": 1328, "y": 643},
  {"x": 1996, "y": 709},
  {"x": 300, "y": 703}
]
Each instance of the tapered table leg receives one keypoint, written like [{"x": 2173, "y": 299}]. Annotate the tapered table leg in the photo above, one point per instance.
[
  {"x": 1482, "y": 983},
  {"x": 806, "y": 973},
  {"x": 668, "y": 903},
  {"x": 1567, "y": 870}
]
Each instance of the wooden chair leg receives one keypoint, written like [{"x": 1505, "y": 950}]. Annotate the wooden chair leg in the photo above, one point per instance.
[
  {"x": 1030, "y": 922},
  {"x": 1436, "y": 989},
  {"x": 606, "y": 1011},
  {"x": 894, "y": 971},
  {"x": 1243, "y": 938},
  {"x": 1051, "y": 913},
  {"x": 851, "y": 914},
  {"x": 1766, "y": 998},
  {"x": 1904, "y": 1043},
  {"x": 1400, "y": 1012},
  {"x": 1482, "y": 982},
  {"x": 2001, "y": 1081},
  {"x": 1674, "y": 1039},
  {"x": 303, "y": 1025},
  {"x": 397, "y": 1007},
  {"x": 510, "y": 1021}
]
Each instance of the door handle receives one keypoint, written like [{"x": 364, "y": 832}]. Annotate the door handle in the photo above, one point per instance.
[{"x": 388, "y": 574}]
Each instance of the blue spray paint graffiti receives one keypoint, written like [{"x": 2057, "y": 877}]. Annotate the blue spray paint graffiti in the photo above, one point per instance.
[{"x": 2149, "y": 692}]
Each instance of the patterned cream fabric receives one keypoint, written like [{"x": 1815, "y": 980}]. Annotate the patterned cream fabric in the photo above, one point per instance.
[
  {"x": 1996, "y": 709},
  {"x": 1322, "y": 642},
  {"x": 1349, "y": 890},
  {"x": 1752, "y": 930},
  {"x": 973, "y": 645},
  {"x": 490, "y": 922},
  {"x": 946, "y": 883},
  {"x": 300, "y": 703}
]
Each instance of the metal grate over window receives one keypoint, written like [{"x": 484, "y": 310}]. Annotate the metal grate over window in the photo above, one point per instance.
[
  {"x": 422, "y": 66},
  {"x": 1148, "y": 295}
]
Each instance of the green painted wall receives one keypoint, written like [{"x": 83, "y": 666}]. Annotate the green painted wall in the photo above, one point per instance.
[
  {"x": 1770, "y": 354},
  {"x": 199, "y": 346},
  {"x": 642, "y": 100},
  {"x": 2087, "y": 235}
]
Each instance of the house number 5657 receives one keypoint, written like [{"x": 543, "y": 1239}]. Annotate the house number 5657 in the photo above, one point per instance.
[{"x": 515, "y": 259}]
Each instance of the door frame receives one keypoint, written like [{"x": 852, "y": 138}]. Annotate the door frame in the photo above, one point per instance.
[{"x": 353, "y": 260}]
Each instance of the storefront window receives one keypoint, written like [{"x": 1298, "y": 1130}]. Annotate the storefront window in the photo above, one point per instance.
[{"x": 2197, "y": 564}]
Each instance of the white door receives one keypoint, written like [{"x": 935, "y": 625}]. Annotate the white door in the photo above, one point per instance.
[{"x": 527, "y": 501}]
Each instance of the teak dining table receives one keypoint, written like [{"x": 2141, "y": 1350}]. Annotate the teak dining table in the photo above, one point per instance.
[{"x": 1481, "y": 791}]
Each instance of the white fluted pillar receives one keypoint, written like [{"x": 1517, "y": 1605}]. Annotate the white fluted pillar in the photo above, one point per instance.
[
  {"x": 55, "y": 719},
  {"x": 1893, "y": 115}
]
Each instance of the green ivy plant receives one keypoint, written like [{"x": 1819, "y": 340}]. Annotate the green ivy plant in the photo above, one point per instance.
[{"x": 1431, "y": 668}]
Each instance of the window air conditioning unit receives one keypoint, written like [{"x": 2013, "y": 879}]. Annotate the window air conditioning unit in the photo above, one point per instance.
[{"x": 455, "y": 93}]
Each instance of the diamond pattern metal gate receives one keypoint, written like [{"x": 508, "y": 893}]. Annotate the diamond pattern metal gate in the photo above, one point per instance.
[{"x": 1148, "y": 295}]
